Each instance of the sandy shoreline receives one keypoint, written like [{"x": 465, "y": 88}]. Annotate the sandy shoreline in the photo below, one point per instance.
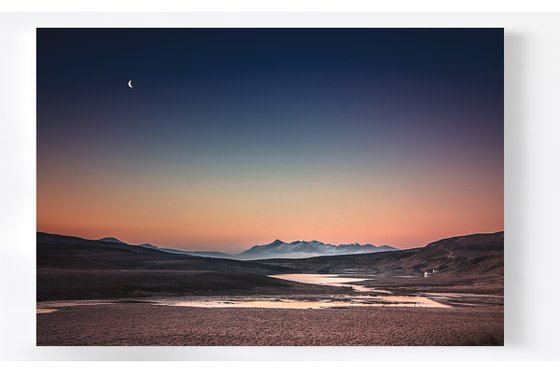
[{"x": 137, "y": 324}]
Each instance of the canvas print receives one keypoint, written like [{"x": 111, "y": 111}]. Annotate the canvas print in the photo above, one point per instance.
[{"x": 270, "y": 187}]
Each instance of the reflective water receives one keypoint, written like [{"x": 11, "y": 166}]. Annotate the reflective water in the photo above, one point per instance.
[
  {"x": 329, "y": 280},
  {"x": 286, "y": 303},
  {"x": 374, "y": 297},
  {"x": 46, "y": 310},
  {"x": 385, "y": 299}
]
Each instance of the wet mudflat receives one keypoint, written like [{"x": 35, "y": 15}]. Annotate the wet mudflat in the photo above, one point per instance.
[{"x": 135, "y": 324}]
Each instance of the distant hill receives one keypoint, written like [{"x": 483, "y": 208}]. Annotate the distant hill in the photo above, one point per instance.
[
  {"x": 111, "y": 239},
  {"x": 76, "y": 268},
  {"x": 307, "y": 249},
  {"x": 206, "y": 254},
  {"x": 59, "y": 251}
]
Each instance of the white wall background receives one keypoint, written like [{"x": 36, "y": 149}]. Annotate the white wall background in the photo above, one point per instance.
[{"x": 532, "y": 172}]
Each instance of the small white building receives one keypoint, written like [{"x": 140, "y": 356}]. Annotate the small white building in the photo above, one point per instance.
[{"x": 430, "y": 272}]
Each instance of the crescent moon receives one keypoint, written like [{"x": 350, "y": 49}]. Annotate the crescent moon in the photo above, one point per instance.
[{"x": 130, "y": 83}]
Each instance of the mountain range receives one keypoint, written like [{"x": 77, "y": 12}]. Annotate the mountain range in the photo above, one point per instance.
[
  {"x": 277, "y": 249},
  {"x": 308, "y": 249}
]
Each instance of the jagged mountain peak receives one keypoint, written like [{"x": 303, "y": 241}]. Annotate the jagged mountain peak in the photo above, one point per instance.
[{"x": 306, "y": 249}]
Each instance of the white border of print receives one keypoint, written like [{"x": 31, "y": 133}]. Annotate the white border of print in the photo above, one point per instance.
[{"x": 531, "y": 151}]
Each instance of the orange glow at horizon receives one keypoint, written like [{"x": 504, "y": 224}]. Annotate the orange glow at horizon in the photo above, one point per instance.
[{"x": 236, "y": 215}]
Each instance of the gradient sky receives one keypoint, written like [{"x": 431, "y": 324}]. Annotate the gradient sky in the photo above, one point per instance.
[{"x": 236, "y": 137}]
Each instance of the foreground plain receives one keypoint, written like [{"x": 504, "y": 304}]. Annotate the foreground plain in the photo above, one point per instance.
[{"x": 140, "y": 324}]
